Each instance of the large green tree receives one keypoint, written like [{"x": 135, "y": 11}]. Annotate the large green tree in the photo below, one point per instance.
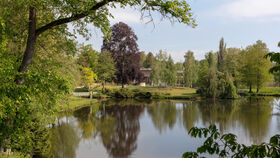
[
  {"x": 106, "y": 67},
  {"x": 88, "y": 57},
  {"x": 255, "y": 68},
  {"x": 28, "y": 109}
]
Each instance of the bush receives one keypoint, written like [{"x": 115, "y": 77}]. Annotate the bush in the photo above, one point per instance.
[
  {"x": 157, "y": 95},
  {"x": 82, "y": 89},
  {"x": 146, "y": 95},
  {"x": 124, "y": 93}
]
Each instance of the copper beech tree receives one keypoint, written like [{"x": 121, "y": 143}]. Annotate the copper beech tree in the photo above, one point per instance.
[{"x": 122, "y": 44}]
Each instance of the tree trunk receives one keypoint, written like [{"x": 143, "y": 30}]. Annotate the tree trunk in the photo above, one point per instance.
[
  {"x": 123, "y": 72},
  {"x": 90, "y": 94},
  {"x": 103, "y": 86},
  {"x": 250, "y": 91},
  {"x": 30, "y": 46}
]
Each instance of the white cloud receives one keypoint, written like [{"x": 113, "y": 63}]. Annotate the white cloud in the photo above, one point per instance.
[{"x": 252, "y": 9}]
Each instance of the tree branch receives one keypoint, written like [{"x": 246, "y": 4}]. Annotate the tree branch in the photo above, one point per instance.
[{"x": 72, "y": 18}]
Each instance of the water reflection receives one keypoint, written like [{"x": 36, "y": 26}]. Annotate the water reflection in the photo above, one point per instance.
[
  {"x": 117, "y": 124},
  {"x": 64, "y": 140},
  {"x": 122, "y": 141},
  {"x": 163, "y": 114}
]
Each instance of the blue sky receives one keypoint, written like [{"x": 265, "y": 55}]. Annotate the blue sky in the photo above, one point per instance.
[{"x": 240, "y": 22}]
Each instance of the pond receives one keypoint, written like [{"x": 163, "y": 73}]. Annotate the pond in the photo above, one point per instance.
[{"x": 159, "y": 129}]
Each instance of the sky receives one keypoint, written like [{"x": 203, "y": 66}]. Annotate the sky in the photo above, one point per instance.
[{"x": 239, "y": 22}]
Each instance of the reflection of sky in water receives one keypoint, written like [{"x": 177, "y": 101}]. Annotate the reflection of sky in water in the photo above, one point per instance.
[{"x": 163, "y": 126}]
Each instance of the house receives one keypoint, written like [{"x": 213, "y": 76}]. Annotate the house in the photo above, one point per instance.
[
  {"x": 146, "y": 76},
  {"x": 180, "y": 79}
]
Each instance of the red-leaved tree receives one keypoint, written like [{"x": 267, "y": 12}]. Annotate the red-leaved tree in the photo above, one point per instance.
[{"x": 122, "y": 44}]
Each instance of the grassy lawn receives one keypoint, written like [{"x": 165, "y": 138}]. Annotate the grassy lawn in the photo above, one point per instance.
[
  {"x": 73, "y": 103},
  {"x": 265, "y": 90},
  {"x": 13, "y": 155},
  {"x": 164, "y": 92},
  {"x": 170, "y": 92}
]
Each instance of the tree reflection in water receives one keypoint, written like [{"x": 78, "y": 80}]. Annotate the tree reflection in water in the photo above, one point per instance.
[
  {"x": 163, "y": 114},
  {"x": 117, "y": 123},
  {"x": 252, "y": 115},
  {"x": 64, "y": 140},
  {"x": 122, "y": 140}
]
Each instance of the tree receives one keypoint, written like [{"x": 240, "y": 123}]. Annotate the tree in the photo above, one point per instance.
[
  {"x": 150, "y": 59},
  {"x": 88, "y": 57},
  {"x": 208, "y": 77},
  {"x": 277, "y": 78},
  {"x": 180, "y": 73},
  {"x": 221, "y": 56},
  {"x": 179, "y": 66},
  {"x": 255, "y": 68},
  {"x": 142, "y": 58},
  {"x": 122, "y": 44},
  {"x": 275, "y": 58},
  {"x": 159, "y": 68},
  {"x": 190, "y": 72},
  {"x": 232, "y": 64},
  {"x": 106, "y": 67},
  {"x": 214, "y": 83},
  {"x": 170, "y": 72},
  {"x": 155, "y": 74},
  {"x": 88, "y": 78},
  {"x": 50, "y": 14},
  {"x": 26, "y": 111}
]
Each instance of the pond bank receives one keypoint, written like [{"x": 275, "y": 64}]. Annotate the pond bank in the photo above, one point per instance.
[
  {"x": 73, "y": 103},
  {"x": 137, "y": 92},
  {"x": 266, "y": 91}
]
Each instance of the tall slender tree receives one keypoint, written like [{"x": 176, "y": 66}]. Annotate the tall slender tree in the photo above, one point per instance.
[
  {"x": 190, "y": 71},
  {"x": 221, "y": 56}
]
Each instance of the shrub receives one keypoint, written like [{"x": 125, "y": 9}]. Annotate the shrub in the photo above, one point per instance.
[
  {"x": 124, "y": 93},
  {"x": 140, "y": 94}
]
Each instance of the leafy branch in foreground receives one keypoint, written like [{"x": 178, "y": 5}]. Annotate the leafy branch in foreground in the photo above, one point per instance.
[
  {"x": 226, "y": 145},
  {"x": 274, "y": 58}
]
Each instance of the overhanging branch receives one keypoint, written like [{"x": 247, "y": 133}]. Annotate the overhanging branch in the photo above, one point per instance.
[{"x": 70, "y": 19}]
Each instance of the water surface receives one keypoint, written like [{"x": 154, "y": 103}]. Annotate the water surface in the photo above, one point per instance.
[{"x": 159, "y": 129}]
